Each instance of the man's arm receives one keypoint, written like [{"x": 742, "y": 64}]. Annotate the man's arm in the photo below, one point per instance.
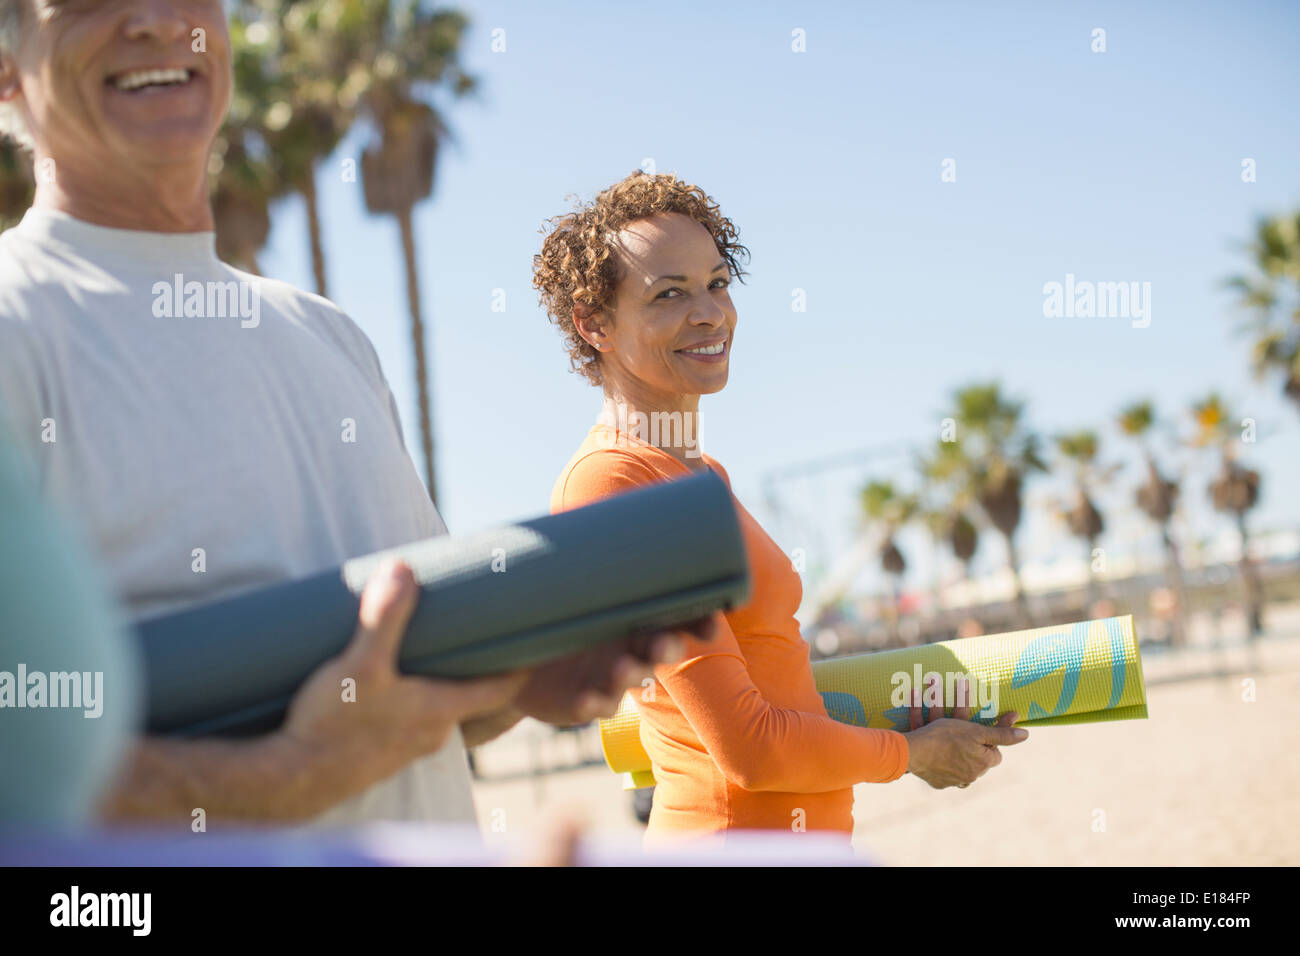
[
  {"x": 482, "y": 729},
  {"x": 268, "y": 779},
  {"x": 329, "y": 749}
]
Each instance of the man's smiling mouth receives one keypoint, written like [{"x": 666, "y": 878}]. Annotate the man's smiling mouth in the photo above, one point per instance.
[{"x": 133, "y": 81}]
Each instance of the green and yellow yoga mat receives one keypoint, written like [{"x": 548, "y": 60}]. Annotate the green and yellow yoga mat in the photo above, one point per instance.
[{"x": 1068, "y": 674}]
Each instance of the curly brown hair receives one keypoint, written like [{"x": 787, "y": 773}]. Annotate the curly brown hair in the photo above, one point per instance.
[{"x": 577, "y": 271}]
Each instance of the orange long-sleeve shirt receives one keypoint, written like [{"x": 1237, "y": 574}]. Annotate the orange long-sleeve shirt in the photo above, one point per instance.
[{"x": 736, "y": 732}]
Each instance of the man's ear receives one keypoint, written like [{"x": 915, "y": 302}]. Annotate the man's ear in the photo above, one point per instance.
[{"x": 10, "y": 85}]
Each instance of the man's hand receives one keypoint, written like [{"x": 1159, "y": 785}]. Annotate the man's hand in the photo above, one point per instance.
[
  {"x": 579, "y": 688},
  {"x": 954, "y": 752},
  {"x": 329, "y": 748},
  {"x": 394, "y": 718}
]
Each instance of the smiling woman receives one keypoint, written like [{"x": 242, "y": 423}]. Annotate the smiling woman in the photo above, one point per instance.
[
  {"x": 738, "y": 736},
  {"x": 578, "y": 274}
]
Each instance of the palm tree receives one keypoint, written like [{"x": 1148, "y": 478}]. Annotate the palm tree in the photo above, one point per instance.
[
  {"x": 241, "y": 192},
  {"x": 1235, "y": 491},
  {"x": 890, "y": 510},
  {"x": 946, "y": 472},
  {"x": 947, "y": 513},
  {"x": 293, "y": 95},
  {"x": 1001, "y": 452},
  {"x": 1080, "y": 450},
  {"x": 963, "y": 536},
  {"x": 243, "y": 176},
  {"x": 412, "y": 49},
  {"x": 1157, "y": 497},
  {"x": 1272, "y": 293},
  {"x": 311, "y": 131},
  {"x": 17, "y": 185}
]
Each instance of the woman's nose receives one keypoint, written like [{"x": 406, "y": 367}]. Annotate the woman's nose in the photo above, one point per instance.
[{"x": 708, "y": 312}]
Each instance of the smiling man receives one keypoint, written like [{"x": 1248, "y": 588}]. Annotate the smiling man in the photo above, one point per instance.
[{"x": 201, "y": 453}]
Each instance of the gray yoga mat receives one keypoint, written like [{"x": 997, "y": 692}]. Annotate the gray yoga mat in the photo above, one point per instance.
[{"x": 655, "y": 557}]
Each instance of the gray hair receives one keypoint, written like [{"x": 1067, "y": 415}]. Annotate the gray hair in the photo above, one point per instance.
[{"x": 11, "y": 31}]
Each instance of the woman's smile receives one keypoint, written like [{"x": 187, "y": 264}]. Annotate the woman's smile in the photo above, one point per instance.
[{"x": 711, "y": 353}]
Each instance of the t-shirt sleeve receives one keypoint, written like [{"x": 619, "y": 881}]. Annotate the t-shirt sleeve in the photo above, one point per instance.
[
  {"x": 353, "y": 341},
  {"x": 755, "y": 744},
  {"x": 326, "y": 320}
]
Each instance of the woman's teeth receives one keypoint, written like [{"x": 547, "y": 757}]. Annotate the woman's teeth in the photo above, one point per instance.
[{"x": 708, "y": 349}]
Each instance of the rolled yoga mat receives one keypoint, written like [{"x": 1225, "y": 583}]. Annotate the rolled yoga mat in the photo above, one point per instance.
[
  {"x": 1068, "y": 674},
  {"x": 510, "y": 598}
]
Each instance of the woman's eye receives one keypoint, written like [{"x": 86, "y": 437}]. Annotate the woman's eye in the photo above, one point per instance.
[{"x": 716, "y": 284}]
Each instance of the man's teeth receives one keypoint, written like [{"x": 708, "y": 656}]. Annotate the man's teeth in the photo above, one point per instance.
[
  {"x": 707, "y": 350},
  {"x": 139, "y": 78}
]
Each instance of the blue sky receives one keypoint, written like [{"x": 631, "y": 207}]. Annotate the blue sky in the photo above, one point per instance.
[{"x": 1115, "y": 166}]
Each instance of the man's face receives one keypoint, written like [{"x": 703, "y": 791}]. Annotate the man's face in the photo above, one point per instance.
[{"x": 147, "y": 81}]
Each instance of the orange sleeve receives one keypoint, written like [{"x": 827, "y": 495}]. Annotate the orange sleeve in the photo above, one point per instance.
[
  {"x": 755, "y": 744},
  {"x": 600, "y": 474},
  {"x": 759, "y": 746}
]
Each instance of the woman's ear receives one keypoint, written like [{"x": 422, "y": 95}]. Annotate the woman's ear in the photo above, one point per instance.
[{"x": 587, "y": 320}]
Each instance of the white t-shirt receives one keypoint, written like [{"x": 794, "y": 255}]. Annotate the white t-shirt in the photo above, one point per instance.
[{"x": 208, "y": 431}]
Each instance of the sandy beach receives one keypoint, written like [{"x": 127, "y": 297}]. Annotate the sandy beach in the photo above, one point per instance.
[{"x": 1211, "y": 778}]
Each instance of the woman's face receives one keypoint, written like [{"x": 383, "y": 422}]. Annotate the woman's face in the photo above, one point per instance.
[{"x": 671, "y": 301}]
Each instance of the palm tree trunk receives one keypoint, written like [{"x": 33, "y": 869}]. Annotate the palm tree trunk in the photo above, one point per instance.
[
  {"x": 418, "y": 347},
  {"x": 1254, "y": 600},
  {"x": 942, "y": 613},
  {"x": 1023, "y": 620},
  {"x": 314, "y": 232},
  {"x": 895, "y": 619},
  {"x": 968, "y": 577},
  {"x": 1178, "y": 625},
  {"x": 1093, "y": 594}
]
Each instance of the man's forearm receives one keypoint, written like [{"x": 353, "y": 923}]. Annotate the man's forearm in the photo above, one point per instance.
[
  {"x": 480, "y": 730},
  {"x": 270, "y": 779}
]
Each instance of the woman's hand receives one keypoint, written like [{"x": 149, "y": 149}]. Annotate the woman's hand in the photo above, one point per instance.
[{"x": 954, "y": 752}]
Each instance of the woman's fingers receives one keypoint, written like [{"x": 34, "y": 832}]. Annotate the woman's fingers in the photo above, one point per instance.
[
  {"x": 963, "y": 698},
  {"x": 935, "y": 692}
]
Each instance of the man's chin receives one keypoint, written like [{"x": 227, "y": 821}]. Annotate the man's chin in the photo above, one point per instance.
[
  {"x": 165, "y": 143},
  {"x": 161, "y": 127}
]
